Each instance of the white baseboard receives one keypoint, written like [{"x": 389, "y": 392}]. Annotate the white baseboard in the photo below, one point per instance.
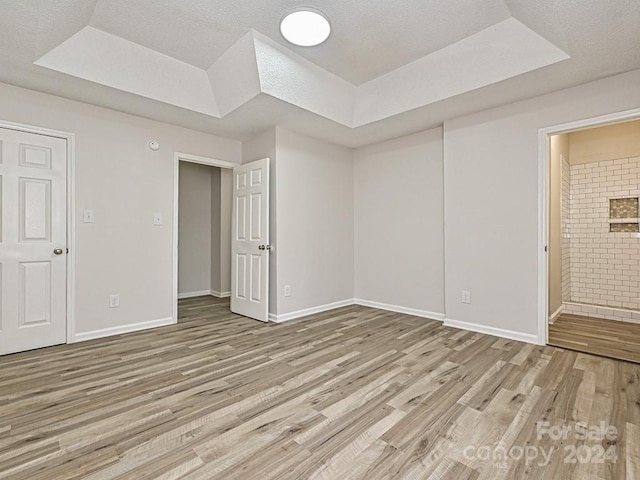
[
  {"x": 204, "y": 293},
  {"x": 133, "y": 327},
  {"x": 496, "y": 332},
  {"x": 398, "y": 309},
  {"x": 219, "y": 294},
  {"x": 598, "y": 311},
  {"x": 193, "y": 294},
  {"x": 553, "y": 317},
  {"x": 355, "y": 301},
  {"x": 285, "y": 317}
]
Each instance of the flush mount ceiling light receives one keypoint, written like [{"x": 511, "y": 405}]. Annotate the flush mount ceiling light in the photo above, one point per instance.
[{"x": 305, "y": 28}]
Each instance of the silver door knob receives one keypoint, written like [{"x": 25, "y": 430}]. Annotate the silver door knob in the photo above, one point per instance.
[{"x": 58, "y": 251}]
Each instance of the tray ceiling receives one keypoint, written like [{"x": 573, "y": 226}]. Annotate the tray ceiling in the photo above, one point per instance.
[{"x": 223, "y": 67}]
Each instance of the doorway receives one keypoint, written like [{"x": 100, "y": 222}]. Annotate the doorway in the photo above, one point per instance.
[
  {"x": 202, "y": 228},
  {"x": 36, "y": 219},
  {"x": 593, "y": 177},
  {"x": 248, "y": 236}
]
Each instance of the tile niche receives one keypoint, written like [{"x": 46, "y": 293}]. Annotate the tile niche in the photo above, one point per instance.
[{"x": 623, "y": 215}]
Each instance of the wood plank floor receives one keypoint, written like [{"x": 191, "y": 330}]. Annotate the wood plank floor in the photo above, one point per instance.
[
  {"x": 598, "y": 336},
  {"x": 354, "y": 393}
]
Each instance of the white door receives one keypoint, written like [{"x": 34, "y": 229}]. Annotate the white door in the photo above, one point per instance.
[
  {"x": 33, "y": 238},
  {"x": 250, "y": 240}
]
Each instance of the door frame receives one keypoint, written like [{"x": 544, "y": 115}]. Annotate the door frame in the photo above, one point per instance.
[
  {"x": 177, "y": 158},
  {"x": 543, "y": 195},
  {"x": 70, "y": 215}
]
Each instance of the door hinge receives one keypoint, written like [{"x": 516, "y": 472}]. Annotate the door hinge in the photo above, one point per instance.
[{"x": 546, "y": 248}]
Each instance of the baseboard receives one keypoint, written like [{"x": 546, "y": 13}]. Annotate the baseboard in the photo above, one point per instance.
[
  {"x": 554, "y": 316},
  {"x": 204, "y": 293},
  {"x": 285, "y": 317},
  {"x": 598, "y": 311},
  {"x": 496, "y": 332},
  {"x": 220, "y": 294},
  {"x": 355, "y": 301},
  {"x": 398, "y": 309},
  {"x": 193, "y": 294},
  {"x": 133, "y": 327}
]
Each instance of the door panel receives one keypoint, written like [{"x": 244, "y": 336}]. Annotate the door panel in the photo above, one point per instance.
[
  {"x": 241, "y": 220},
  {"x": 241, "y": 283},
  {"x": 256, "y": 217},
  {"x": 256, "y": 275},
  {"x": 35, "y": 156},
  {"x": 35, "y": 293},
  {"x": 33, "y": 210},
  {"x": 250, "y": 240}
]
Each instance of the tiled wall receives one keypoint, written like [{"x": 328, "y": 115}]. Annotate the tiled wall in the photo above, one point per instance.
[
  {"x": 565, "y": 192},
  {"x": 604, "y": 266}
]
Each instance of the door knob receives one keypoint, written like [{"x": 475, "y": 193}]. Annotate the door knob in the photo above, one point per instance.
[
  {"x": 262, "y": 247},
  {"x": 58, "y": 251}
]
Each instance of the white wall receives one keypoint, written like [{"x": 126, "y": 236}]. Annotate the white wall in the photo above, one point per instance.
[
  {"x": 221, "y": 206},
  {"x": 490, "y": 221},
  {"x": 399, "y": 244},
  {"x": 194, "y": 229},
  {"x": 125, "y": 183},
  {"x": 226, "y": 201},
  {"x": 491, "y": 201},
  {"x": 215, "y": 233},
  {"x": 314, "y": 222}
]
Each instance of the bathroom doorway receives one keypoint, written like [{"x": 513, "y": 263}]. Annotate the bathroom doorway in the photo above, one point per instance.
[{"x": 594, "y": 240}]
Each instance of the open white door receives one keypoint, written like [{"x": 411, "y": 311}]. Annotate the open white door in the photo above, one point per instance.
[
  {"x": 250, "y": 240},
  {"x": 33, "y": 241}
]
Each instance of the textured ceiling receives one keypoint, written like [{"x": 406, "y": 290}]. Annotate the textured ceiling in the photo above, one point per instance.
[
  {"x": 385, "y": 71},
  {"x": 372, "y": 37}
]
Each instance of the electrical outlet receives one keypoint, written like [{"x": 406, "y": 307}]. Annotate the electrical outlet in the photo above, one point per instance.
[
  {"x": 114, "y": 301},
  {"x": 287, "y": 290},
  {"x": 466, "y": 296}
]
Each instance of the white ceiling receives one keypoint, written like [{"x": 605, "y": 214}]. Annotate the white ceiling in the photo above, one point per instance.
[{"x": 222, "y": 67}]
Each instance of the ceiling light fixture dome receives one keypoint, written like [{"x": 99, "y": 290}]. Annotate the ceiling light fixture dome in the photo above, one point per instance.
[{"x": 305, "y": 27}]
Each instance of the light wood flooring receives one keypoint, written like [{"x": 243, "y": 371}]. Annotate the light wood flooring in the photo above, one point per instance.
[
  {"x": 594, "y": 335},
  {"x": 354, "y": 393}
]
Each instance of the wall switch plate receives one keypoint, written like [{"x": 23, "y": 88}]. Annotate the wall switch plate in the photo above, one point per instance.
[
  {"x": 466, "y": 296},
  {"x": 88, "y": 216},
  {"x": 157, "y": 219},
  {"x": 287, "y": 290},
  {"x": 114, "y": 301}
]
